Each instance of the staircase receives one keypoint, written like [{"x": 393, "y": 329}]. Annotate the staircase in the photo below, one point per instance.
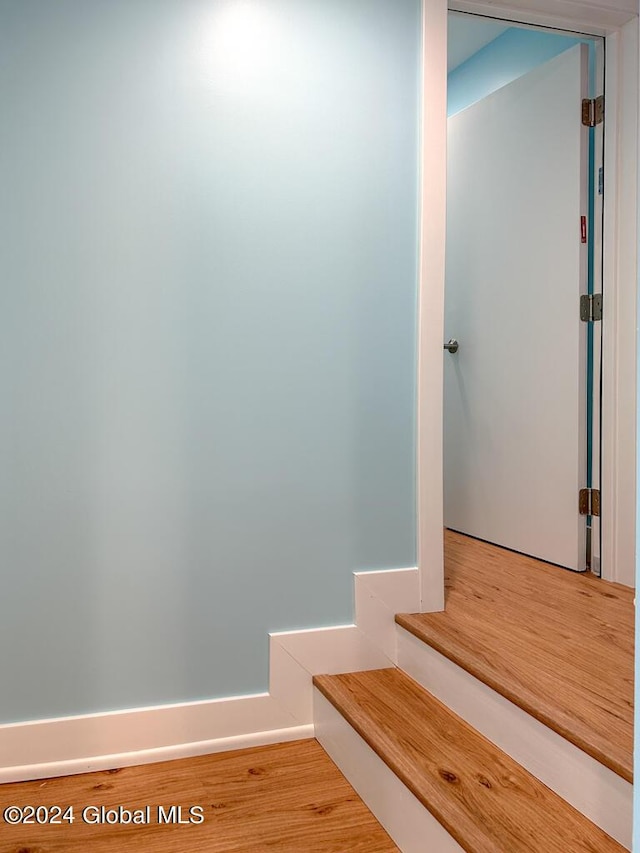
[{"x": 507, "y": 725}]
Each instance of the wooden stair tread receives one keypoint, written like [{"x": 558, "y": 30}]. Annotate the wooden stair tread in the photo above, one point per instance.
[
  {"x": 557, "y": 644},
  {"x": 482, "y": 797}
]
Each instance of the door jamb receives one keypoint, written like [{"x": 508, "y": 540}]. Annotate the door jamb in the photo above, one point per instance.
[{"x": 618, "y": 482}]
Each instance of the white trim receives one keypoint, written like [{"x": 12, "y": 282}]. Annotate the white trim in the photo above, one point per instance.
[
  {"x": 83, "y": 743},
  {"x": 295, "y": 657},
  {"x": 379, "y": 596},
  {"x": 150, "y": 756},
  {"x": 431, "y": 304},
  {"x": 95, "y": 741},
  {"x": 596, "y": 19},
  {"x": 408, "y": 822},
  {"x": 618, "y": 487},
  {"x": 590, "y": 787}
]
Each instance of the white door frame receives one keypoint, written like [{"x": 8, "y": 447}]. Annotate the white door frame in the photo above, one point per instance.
[{"x": 617, "y": 21}]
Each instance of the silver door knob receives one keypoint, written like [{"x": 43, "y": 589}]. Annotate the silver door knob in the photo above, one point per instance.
[{"x": 452, "y": 345}]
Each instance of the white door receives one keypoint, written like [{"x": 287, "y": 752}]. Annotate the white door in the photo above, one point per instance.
[{"x": 515, "y": 413}]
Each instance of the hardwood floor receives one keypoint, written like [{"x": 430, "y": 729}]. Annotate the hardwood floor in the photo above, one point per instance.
[
  {"x": 285, "y": 798},
  {"x": 556, "y": 643},
  {"x": 481, "y": 796}
]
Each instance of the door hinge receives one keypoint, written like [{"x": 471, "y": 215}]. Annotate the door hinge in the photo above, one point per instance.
[
  {"x": 589, "y": 502},
  {"x": 601, "y": 180},
  {"x": 593, "y": 111},
  {"x": 591, "y": 307}
]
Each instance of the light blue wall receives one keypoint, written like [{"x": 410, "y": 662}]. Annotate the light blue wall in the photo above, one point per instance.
[
  {"x": 514, "y": 53},
  {"x": 207, "y": 336}
]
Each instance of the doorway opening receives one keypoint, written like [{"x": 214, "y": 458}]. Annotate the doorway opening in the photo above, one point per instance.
[{"x": 522, "y": 373}]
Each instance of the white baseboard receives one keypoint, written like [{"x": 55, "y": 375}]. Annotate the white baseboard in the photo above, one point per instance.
[
  {"x": 408, "y": 822},
  {"x": 70, "y": 767},
  {"x": 600, "y": 794},
  {"x": 57, "y": 747},
  {"x": 378, "y": 597},
  {"x": 296, "y": 656}
]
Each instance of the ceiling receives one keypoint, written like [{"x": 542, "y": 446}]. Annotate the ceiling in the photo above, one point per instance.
[{"x": 468, "y": 34}]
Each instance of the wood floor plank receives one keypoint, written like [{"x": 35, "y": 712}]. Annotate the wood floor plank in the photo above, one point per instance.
[
  {"x": 285, "y": 798},
  {"x": 483, "y": 798},
  {"x": 558, "y": 644}
]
